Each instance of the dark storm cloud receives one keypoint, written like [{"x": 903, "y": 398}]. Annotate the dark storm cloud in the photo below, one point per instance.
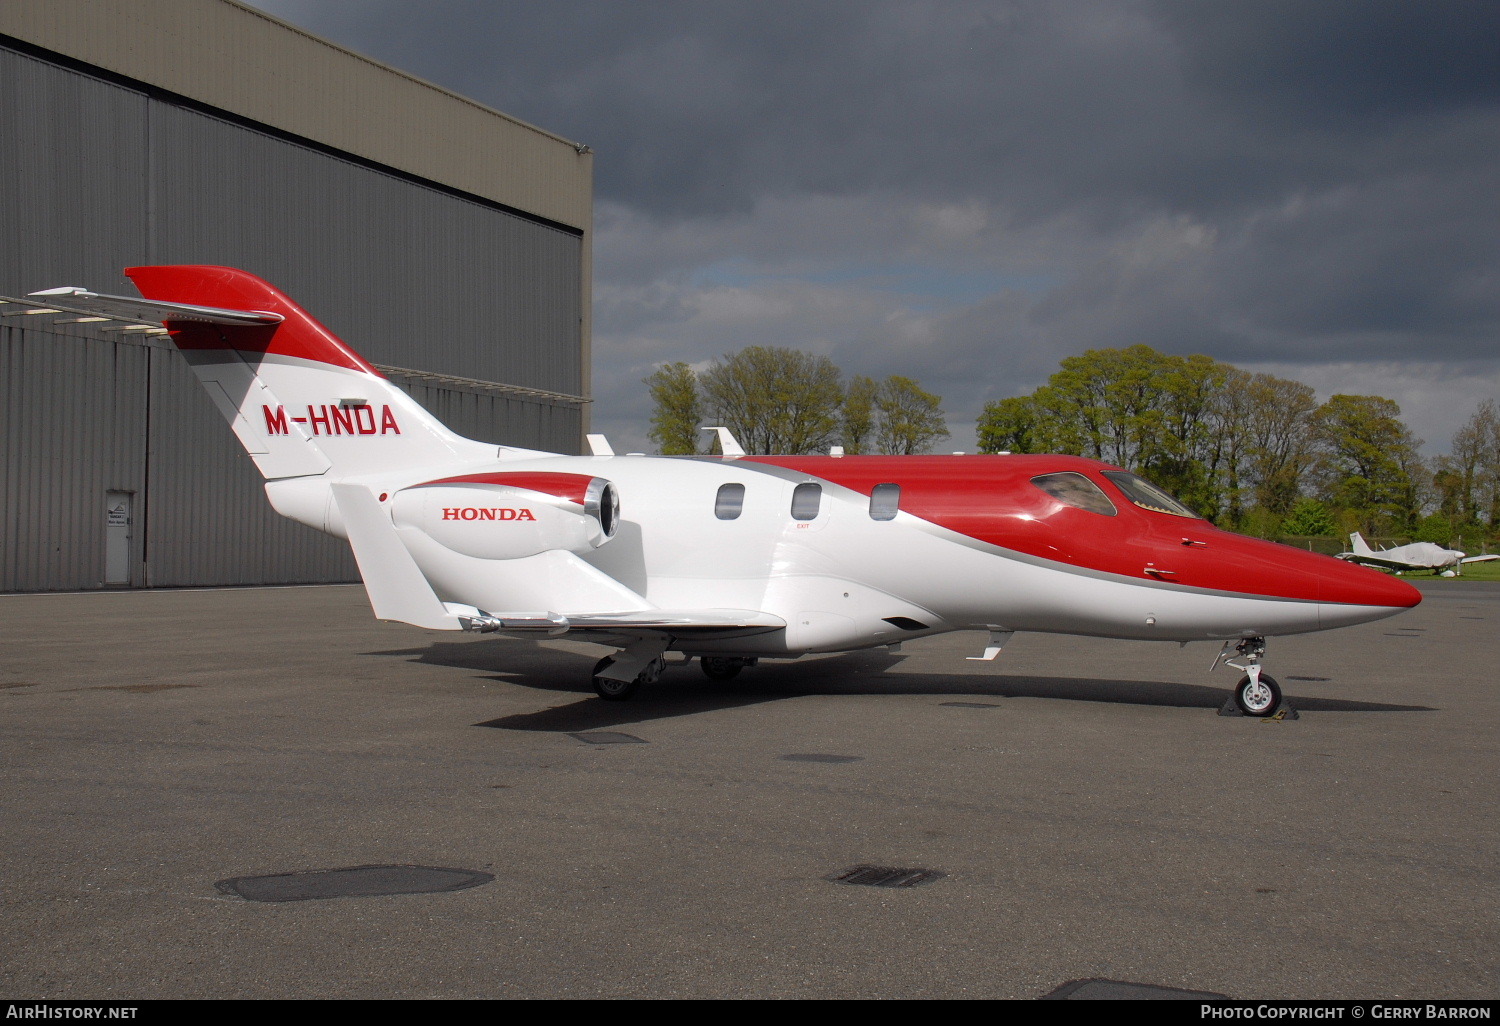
[
  {"x": 1293, "y": 181},
  {"x": 697, "y": 106}
]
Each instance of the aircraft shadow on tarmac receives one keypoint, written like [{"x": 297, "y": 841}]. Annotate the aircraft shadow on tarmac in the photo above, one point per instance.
[{"x": 683, "y": 690}]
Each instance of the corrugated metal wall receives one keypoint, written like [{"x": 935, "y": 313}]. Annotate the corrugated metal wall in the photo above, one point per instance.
[{"x": 96, "y": 176}]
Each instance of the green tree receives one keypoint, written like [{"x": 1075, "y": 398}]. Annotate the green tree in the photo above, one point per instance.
[
  {"x": 1013, "y": 425},
  {"x": 1105, "y": 404},
  {"x": 1309, "y": 518},
  {"x": 678, "y": 412},
  {"x": 1281, "y": 441},
  {"x": 1147, "y": 411},
  {"x": 911, "y": 419},
  {"x": 775, "y": 400},
  {"x": 1189, "y": 451},
  {"x": 1474, "y": 469},
  {"x": 1368, "y": 464},
  {"x": 859, "y": 414},
  {"x": 1434, "y": 528}
]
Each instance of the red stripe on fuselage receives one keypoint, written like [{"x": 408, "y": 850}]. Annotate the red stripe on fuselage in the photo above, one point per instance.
[
  {"x": 573, "y": 487},
  {"x": 992, "y": 500}
]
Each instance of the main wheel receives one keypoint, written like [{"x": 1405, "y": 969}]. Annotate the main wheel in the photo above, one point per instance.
[
  {"x": 612, "y": 690},
  {"x": 721, "y": 667},
  {"x": 1260, "y": 699}
]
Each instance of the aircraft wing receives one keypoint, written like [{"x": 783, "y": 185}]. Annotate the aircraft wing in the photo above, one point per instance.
[
  {"x": 1381, "y": 564},
  {"x": 1478, "y": 559},
  {"x": 736, "y": 622}
]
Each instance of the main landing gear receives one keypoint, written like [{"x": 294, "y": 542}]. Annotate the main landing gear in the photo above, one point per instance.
[
  {"x": 723, "y": 667},
  {"x": 1257, "y": 693},
  {"x": 612, "y": 690}
]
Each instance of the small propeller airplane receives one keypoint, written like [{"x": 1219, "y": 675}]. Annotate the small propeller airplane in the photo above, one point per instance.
[
  {"x": 1416, "y": 556},
  {"x": 728, "y": 558}
]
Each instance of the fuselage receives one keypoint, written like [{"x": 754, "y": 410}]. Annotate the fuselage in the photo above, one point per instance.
[{"x": 859, "y": 551}]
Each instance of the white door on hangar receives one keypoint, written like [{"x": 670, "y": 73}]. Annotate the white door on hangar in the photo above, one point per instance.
[{"x": 117, "y": 520}]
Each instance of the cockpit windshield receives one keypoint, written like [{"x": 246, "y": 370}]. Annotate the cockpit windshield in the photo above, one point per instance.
[
  {"x": 1076, "y": 490},
  {"x": 1147, "y": 496}
]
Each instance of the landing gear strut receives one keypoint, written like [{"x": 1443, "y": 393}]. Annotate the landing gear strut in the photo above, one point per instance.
[{"x": 1257, "y": 693}]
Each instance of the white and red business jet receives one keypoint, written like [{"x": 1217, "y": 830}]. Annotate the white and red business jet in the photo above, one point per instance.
[{"x": 729, "y": 558}]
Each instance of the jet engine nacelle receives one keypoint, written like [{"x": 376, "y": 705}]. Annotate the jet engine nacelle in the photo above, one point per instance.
[{"x": 511, "y": 515}]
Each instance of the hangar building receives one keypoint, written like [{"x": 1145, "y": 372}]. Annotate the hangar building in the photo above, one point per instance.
[{"x": 448, "y": 243}]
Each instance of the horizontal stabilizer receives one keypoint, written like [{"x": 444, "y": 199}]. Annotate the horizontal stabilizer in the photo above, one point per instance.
[{"x": 140, "y": 311}]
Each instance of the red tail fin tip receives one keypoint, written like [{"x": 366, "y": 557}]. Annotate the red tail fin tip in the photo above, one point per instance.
[{"x": 299, "y": 335}]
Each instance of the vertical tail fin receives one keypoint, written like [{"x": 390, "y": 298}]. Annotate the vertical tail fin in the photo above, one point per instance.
[
  {"x": 300, "y": 400},
  {"x": 1359, "y": 546}
]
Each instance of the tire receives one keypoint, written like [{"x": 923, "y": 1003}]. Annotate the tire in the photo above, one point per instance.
[
  {"x": 613, "y": 690},
  {"x": 1259, "y": 701},
  {"x": 721, "y": 667}
]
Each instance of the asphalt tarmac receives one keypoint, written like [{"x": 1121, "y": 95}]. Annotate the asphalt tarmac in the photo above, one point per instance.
[{"x": 1091, "y": 815}]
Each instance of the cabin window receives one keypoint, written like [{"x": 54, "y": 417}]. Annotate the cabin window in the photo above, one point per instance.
[
  {"x": 1147, "y": 496},
  {"x": 1077, "y": 491},
  {"x": 730, "y": 501},
  {"x": 885, "y": 502},
  {"x": 806, "y": 498}
]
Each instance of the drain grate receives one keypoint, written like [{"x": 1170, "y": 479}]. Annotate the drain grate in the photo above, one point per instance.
[
  {"x": 971, "y": 705},
  {"x": 886, "y": 876},
  {"x": 1117, "y": 990},
  {"x": 609, "y": 737},
  {"x": 354, "y": 882},
  {"x": 1309, "y": 678},
  {"x": 814, "y": 757}
]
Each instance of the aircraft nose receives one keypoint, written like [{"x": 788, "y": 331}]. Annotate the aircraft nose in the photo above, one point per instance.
[
  {"x": 1353, "y": 585},
  {"x": 1354, "y": 594}
]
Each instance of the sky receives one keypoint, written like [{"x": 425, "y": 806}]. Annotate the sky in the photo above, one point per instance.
[{"x": 967, "y": 191}]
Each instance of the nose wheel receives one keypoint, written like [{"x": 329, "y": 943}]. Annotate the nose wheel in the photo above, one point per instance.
[{"x": 1257, "y": 694}]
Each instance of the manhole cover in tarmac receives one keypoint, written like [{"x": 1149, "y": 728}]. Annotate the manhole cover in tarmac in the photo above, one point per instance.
[
  {"x": 886, "y": 876},
  {"x": 814, "y": 757},
  {"x": 1116, "y": 990},
  {"x": 608, "y": 737},
  {"x": 354, "y": 882}
]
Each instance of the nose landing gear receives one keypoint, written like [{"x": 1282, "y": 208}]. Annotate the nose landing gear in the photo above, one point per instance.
[{"x": 1257, "y": 693}]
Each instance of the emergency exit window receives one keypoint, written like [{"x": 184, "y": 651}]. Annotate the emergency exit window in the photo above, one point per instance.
[{"x": 806, "y": 498}]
